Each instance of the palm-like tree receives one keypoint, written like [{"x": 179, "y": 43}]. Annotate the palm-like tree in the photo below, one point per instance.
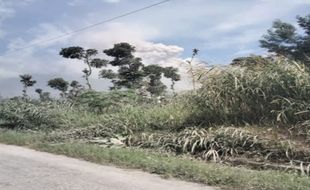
[{"x": 27, "y": 81}]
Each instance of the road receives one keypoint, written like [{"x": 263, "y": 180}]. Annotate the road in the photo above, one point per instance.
[{"x": 25, "y": 169}]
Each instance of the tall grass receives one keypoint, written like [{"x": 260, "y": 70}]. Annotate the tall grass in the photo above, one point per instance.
[{"x": 277, "y": 92}]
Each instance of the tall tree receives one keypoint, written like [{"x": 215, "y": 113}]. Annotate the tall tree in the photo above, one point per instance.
[
  {"x": 27, "y": 81},
  {"x": 284, "y": 39},
  {"x": 154, "y": 73},
  {"x": 172, "y": 73},
  {"x": 130, "y": 74},
  {"x": 59, "y": 84},
  {"x": 87, "y": 56}
]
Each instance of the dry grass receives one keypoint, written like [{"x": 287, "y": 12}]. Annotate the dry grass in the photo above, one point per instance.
[{"x": 222, "y": 144}]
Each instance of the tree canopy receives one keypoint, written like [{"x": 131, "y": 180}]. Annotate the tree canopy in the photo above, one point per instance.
[
  {"x": 87, "y": 56},
  {"x": 284, "y": 39},
  {"x": 129, "y": 74},
  {"x": 59, "y": 84}
]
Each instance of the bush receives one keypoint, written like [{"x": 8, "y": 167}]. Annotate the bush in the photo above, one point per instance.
[
  {"x": 131, "y": 119},
  {"x": 22, "y": 114},
  {"x": 100, "y": 102}
]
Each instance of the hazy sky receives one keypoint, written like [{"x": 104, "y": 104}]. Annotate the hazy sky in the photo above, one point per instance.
[{"x": 221, "y": 29}]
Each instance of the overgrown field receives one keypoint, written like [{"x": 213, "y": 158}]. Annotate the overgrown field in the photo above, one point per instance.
[{"x": 257, "y": 116}]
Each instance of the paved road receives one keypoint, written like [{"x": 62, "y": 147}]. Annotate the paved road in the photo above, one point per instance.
[{"x": 24, "y": 169}]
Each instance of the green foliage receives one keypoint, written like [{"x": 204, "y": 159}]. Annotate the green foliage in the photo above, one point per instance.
[
  {"x": 172, "y": 73},
  {"x": 154, "y": 73},
  {"x": 251, "y": 61},
  {"x": 108, "y": 74},
  {"x": 284, "y": 39},
  {"x": 44, "y": 96},
  {"x": 129, "y": 73},
  {"x": 76, "y": 90},
  {"x": 129, "y": 120},
  {"x": 277, "y": 92},
  {"x": 133, "y": 74},
  {"x": 100, "y": 102},
  {"x": 121, "y": 52},
  {"x": 59, "y": 84},
  {"x": 22, "y": 114}
]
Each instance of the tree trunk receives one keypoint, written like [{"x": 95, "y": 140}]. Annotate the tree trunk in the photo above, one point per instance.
[{"x": 88, "y": 74}]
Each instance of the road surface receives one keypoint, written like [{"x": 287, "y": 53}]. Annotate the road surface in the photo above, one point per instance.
[{"x": 25, "y": 169}]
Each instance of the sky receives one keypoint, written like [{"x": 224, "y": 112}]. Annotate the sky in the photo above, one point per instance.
[{"x": 164, "y": 35}]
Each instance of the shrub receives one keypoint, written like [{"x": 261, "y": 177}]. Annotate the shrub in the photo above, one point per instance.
[
  {"x": 100, "y": 102},
  {"x": 131, "y": 119},
  {"x": 23, "y": 114}
]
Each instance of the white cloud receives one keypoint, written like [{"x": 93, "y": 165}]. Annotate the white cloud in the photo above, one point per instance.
[{"x": 165, "y": 56}]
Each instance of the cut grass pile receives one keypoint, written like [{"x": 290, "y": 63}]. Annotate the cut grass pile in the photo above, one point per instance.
[{"x": 221, "y": 143}]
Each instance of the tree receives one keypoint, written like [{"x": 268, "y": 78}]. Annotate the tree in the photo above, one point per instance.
[
  {"x": 130, "y": 74},
  {"x": 59, "y": 84},
  {"x": 154, "y": 73},
  {"x": 39, "y": 91},
  {"x": 76, "y": 89},
  {"x": 284, "y": 39},
  {"x": 87, "y": 56},
  {"x": 172, "y": 73},
  {"x": 44, "y": 96},
  {"x": 27, "y": 81}
]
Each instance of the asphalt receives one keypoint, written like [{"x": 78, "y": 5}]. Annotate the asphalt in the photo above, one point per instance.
[{"x": 25, "y": 169}]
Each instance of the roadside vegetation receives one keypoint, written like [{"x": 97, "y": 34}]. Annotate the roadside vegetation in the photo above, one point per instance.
[{"x": 247, "y": 126}]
